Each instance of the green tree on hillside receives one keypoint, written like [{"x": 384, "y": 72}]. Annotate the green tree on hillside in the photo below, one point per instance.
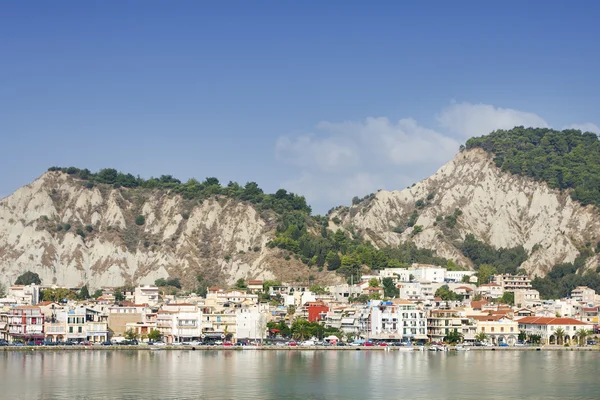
[{"x": 28, "y": 278}]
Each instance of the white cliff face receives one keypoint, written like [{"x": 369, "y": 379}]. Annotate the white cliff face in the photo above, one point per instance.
[
  {"x": 220, "y": 238},
  {"x": 501, "y": 209}
]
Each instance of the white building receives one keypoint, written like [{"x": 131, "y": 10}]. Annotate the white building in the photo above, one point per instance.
[
  {"x": 490, "y": 290},
  {"x": 342, "y": 293},
  {"x": 527, "y": 298},
  {"x": 251, "y": 322},
  {"x": 547, "y": 327},
  {"x": 185, "y": 321},
  {"x": 457, "y": 276},
  {"x": 583, "y": 294},
  {"x": 397, "y": 320},
  {"x": 146, "y": 295},
  {"x": 25, "y": 295},
  {"x": 428, "y": 273}
]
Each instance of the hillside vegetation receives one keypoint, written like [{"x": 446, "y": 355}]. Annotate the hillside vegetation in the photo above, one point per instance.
[
  {"x": 301, "y": 235},
  {"x": 567, "y": 160}
]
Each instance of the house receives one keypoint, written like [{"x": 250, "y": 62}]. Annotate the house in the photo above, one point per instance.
[
  {"x": 25, "y": 295},
  {"x": 255, "y": 286},
  {"x": 527, "y": 298},
  {"x": 490, "y": 290},
  {"x": 342, "y": 293},
  {"x": 547, "y": 327},
  {"x": 464, "y": 291},
  {"x": 146, "y": 295},
  {"x": 317, "y": 311},
  {"x": 590, "y": 315},
  {"x": 583, "y": 294},
  {"x": 510, "y": 282},
  {"x": 372, "y": 290}
]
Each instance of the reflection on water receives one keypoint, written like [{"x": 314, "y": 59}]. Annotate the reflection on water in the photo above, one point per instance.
[{"x": 297, "y": 375}]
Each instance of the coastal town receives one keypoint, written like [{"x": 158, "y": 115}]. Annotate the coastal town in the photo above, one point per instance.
[{"x": 431, "y": 305}]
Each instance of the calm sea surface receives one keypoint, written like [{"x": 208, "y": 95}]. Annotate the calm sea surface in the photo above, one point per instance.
[{"x": 298, "y": 375}]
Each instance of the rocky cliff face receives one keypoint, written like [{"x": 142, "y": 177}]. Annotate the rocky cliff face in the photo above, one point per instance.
[
  {"x": 501, "y": 209},
  {"x": 221, "y": 238}
]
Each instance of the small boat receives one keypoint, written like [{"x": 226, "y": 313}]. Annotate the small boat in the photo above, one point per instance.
[{"x": 461, "y": 348}]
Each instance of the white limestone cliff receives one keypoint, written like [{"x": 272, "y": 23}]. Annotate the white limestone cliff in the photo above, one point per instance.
[{"x": 501, "y": 209}]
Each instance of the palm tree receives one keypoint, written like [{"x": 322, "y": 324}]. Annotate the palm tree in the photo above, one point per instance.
[
  {"x": 481, "y": 337},
  {"x": 582, "y": 334},
  {"x": 453, "y": 337},
  {"x": 559, "y": 333}
]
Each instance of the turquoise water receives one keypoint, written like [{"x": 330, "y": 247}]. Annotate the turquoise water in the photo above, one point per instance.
[{"x": 298, "y": 374}]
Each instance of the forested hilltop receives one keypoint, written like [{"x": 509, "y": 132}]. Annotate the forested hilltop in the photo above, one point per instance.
[{"x": 567, "y": 160}]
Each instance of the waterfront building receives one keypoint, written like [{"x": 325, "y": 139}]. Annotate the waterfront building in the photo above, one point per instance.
[
  {"x": 119, "y": 315},
  {"x": 547, "y": 327},
  {"x": 498, "y": 328},
  {"x": 442, "y": 322},
  {"x": 25, "y": 323},
  {"x": 251, "y": 322},
  {"x": 397, "y": 320}
]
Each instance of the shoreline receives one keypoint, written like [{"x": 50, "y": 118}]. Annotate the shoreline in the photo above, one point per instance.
[{"x": 283, "y": 348}]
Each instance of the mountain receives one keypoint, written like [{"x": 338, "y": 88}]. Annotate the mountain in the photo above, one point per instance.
[
  {"x": 474, "y": 196},
  {"x": 520, "y": 200},
  {"x": 73, "y": 228}
]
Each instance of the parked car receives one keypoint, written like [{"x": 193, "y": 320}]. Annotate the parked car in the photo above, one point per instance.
[
  {"x": 503, "y": 344},
  {"x": 106, "y": 343},
  {"x": 368, "y": 344},
  {"x": 3, "y": 343},
  {"x": 383, "y": 344},
  {"x": 292, "y": 343},
  {"x": 160, "y": 343},
  {"x": 227, "y": 344},
  {"x": 591, "y": 342}
]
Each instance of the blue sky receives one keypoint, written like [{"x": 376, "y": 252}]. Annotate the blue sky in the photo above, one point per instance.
[{"x": 327, "y": 99}]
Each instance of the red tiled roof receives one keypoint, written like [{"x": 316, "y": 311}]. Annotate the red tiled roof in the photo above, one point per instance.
[
  {"x": 478, "y": 304},
  {"x": 489, "y": 284},
  {"x": 590, "y": 309},
  {"x": 550, "y": 321},
  {"x": 255, "y": 282},
  {"x": 468, "y": 289}
]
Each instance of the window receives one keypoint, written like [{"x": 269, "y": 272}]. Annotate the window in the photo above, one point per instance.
[
  {"x": 502, "y": 329},
  {"x": 492, "y": 329}
]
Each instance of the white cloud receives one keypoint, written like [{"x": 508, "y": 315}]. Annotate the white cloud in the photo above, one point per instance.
[
  {"x": 340, "y": 160},
  {"x": 354, "y": 158},
  {"x": 586, "y": 127},
  {"x": 468, "y": 120}
]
